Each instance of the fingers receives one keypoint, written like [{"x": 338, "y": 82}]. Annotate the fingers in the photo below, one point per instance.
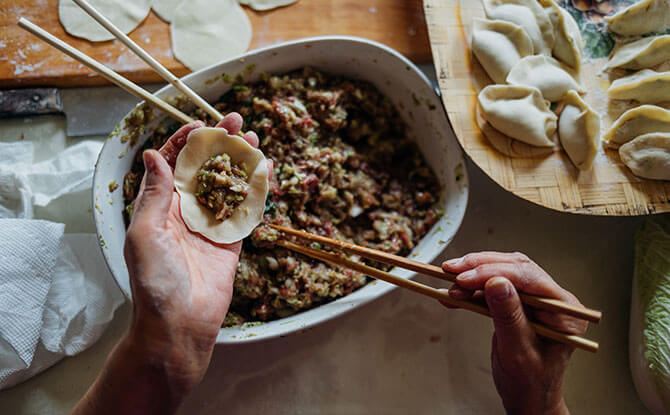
[
  {"x": 251, "y": 138},
  {"x": 173, "y": 146},
  {"x": 513, "y": 331},
  {"x": 232, "y": 123},
  {"x": 153, "y": 203},
  {"x": 472, "y": 260}
]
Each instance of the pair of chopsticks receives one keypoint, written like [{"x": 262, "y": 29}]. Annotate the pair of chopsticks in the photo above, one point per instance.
[
  {"x": 117, "y": 79},
  {"x": 542, "y": 303}
]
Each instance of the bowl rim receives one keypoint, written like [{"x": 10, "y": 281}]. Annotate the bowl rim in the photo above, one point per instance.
[{"x": 464, "y": 184}]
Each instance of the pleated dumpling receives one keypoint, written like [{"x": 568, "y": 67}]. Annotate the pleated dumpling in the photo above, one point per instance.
[
  {"x": 645, "y": 86},
  {"x": 641, "y": 54},
  {"x": 546, "y": 74},
  {"x": 648, "y": 156},
  {"x": 205, "y": 144},
  {"x": 527, "y": 14},
  {"x": 637, "y": 121},
  {"x": 579, "y": 131},
  {"x": 568, "y": 39},
  {"x": 499, "y": 45},
  {"x": 519, "y": 112},
  {"x": 642, "y": 17}
]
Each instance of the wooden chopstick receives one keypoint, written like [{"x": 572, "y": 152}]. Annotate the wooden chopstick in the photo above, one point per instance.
[
  {"x": 542, "y": 303},
  {"x": 338, "y": 260},
  {"x": 103, "y": 71},
  {"x": 153, "y": 63}
]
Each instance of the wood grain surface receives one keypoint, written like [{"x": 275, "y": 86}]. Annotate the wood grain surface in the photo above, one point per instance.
[
  {"x": 26, "y": 61},
  {"x": 609, "y": 188}
]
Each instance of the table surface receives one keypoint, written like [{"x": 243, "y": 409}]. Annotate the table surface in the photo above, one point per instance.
[{"x": 402, "y": 353}]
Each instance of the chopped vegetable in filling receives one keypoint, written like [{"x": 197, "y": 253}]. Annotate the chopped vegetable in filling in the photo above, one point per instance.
[{"x": 222, "y": 185}]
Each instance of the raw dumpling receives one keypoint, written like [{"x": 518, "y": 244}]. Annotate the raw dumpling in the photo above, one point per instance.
[
  {"x": 519, "y": 112},
  {"x": 637, "y": 121},
  {"x": 546, "y": 74},
  {"x": 648, "y": 156},
  {"x": 125, "y": 14},
  {"x": 263, "y": 5},
  {"x": 527, "y": 14},
  {"x": 498, "y": 45},
  {"x": 640, "y": 18},
  {"x": 579, "y": 131},
  {"x": 643, "y": 53},
  {"x": 646, "y": 86},
  {"x": 202, "y": 144},
  {"x": 568, "y": 39}
]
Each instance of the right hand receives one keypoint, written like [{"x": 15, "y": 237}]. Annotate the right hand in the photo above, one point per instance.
[{"x": 528, "y": 370}]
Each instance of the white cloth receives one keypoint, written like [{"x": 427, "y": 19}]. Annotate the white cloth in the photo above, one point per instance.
[{"x": 56, "y": 293}]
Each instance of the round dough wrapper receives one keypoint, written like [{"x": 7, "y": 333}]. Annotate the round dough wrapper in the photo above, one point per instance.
[
  {"x": 262, "y": 5},
  {"x": 202, "y": 144},
  {"x": 205, "y": 32},
  {"x": 165, "y": 9},
  {"x": 125, "y": 14}
]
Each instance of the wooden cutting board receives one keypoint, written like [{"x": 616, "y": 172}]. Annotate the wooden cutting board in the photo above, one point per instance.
[
  {"x": 609, "y": 188},
  {"x": 26, "y": 61}
]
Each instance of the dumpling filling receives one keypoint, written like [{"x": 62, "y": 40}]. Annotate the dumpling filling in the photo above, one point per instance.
[{"x": 222, "y": 185}]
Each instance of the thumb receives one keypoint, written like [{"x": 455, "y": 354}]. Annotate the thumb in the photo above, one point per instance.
[
  {"x": 157, "y": 188},
  {"x": 512, "y": 329}
]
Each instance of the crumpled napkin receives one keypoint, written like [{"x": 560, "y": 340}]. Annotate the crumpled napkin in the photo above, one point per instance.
[{"x": 56, "y": 293}]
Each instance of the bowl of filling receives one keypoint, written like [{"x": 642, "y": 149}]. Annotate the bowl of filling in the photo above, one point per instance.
[{"x": 362, "y": 151}]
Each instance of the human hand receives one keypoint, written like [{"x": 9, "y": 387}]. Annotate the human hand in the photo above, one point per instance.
[
  {"x": 528, "y": 370},
  {"x": 181, "y": 283}
]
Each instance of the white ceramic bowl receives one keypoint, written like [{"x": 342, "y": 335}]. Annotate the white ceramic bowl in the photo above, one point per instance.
[{"x": 395, "y": 76}]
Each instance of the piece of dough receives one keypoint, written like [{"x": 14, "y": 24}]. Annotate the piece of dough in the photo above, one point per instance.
[
  {"x": 262, "y": 5},
  {"x": 642, "y": 17},
  {"x": 644, "y": 53},
  {"x": 579, "y": 131},
  {"x": 205, "y": 32},
  {"x": 646, "y": 86},
  {"x": 519, "y": 112},
  {"x": 202, "y": 144},
  {"x": 636, "y": 122},
  {"x": 165, "y": 9},
  {"x": 545, "y": 73},
  {"x": 498, "y": 46},
  {"x": 125, "y": 14},
  {"x": 648, "y": 156}
]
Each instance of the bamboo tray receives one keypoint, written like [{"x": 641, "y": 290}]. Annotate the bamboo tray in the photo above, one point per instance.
[{"x": 609, "y": 188}]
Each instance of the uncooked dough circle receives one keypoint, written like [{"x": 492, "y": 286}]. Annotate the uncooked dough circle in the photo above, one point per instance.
[
  {"x": 205, "y": 32},
  {"x": 262, "y": 5},
  {"x": 165, "y": 9},
  {"x": 125, "y": 14},
  {"x": 202, "y": 144}
]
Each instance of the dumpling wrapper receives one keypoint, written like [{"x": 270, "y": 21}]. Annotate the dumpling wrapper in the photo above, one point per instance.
[
  {"x": 645, "y": 86},
  {"x": 642, "y": 17},
  {"x": 644, "y": 53},
  {"x": 579, "y": 131},
  {"x": 498, "y": 46},
  {"x": 636, "y": 122},
  {"x": 519, "y": 112},
  {"x": 546, "y": 74},
  {"x": 529, "y": 15},
  {"x": 648, "y": 156},
  {"x": 262, "y": 5},
  {"x": 206, "y": 32},
  {"x": 568, "y": 44},
  {"x": 202, "y": 144},
  {"x": 125, "y": 14},
  {"x": 165, "y": 9}
]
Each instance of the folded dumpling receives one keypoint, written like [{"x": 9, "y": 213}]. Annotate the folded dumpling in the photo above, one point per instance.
[
  {"x": 527, "y": 14},
  {"x": 642, "y": 17},
  {"x": 637, "y": 121},
  {"x": 643, "y": 53},
  {"x": 579, "y": 131},
  {"x": 499, "y": 45},
  {"x": 546, "y": 74},
  {"x": 645, "y": 86},
  {"x": 648, "y": 156},
  {"x": 568, "y": 39},
  {"x": 520, "y": 112}
]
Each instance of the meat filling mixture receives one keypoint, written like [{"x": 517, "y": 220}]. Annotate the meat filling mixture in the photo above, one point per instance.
[
  {"x": 344, "y": 167},
  {"x": 222, "y": 186}
]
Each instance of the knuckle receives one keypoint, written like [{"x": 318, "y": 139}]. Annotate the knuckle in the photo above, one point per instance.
[
  {"x": 521, "y": 258},
  {"x": 470, "y": 260},
  {"x": 511, "y": 318}
]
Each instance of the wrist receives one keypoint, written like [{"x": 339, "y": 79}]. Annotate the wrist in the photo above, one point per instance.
[{"x": 554, "y": 407}]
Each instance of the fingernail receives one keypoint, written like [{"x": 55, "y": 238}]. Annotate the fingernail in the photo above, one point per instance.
[
  {"x": 499, "y": 289},
  {"x": 454, "y": 261},
  {"x": 148, "y": 159},
  {"x": 465, "y": 276}
]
